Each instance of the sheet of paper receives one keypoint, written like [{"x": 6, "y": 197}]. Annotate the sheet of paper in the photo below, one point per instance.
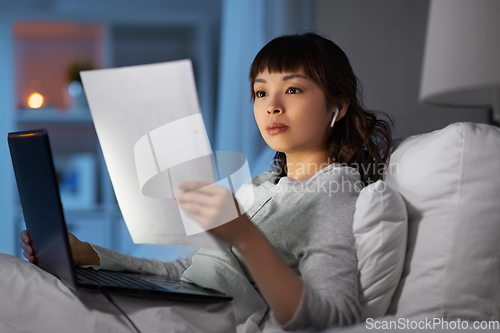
[{"x": 152, "y": 135}]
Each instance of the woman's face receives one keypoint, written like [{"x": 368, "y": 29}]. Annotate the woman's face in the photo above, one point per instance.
[{"x": 291, "y": 112}]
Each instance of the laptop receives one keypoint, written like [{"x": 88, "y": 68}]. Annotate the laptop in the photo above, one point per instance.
[{"x": 44, "y": 217}]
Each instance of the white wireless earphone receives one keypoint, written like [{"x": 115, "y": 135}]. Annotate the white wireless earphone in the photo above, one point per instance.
[{"x": 335, "y": 116}]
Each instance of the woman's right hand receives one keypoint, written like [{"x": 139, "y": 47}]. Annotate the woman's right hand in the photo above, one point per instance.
[{"x": 83, "y": 254}]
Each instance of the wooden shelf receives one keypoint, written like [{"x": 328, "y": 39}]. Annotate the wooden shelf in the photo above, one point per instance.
[
  {"x": 54, "y": 116},
  {"x": 45, "y": 54}
]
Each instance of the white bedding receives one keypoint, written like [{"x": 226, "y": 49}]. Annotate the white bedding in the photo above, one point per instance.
[{"x": 35, "y": 301}]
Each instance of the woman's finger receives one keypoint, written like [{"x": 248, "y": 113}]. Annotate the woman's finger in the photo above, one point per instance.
[
  {"x": 192, "y": 208},
  {"x": 195, "y": 197},
  {"x": 25, "y": 237},
  {"x": 26, "y": 248},
  {"x": 192, "y": 185},
  {"x": 204, "y": 188},
  {"x": 28, "y": 256}
]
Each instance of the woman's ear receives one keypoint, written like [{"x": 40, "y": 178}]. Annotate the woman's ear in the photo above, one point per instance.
[
  {"x": 340, "y": 108},
  {"x": 343, "y": 105}
]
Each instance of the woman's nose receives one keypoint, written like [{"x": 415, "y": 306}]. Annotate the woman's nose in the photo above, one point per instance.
[
  {"x": 275, "y": 107},
  {"x": 275, "y": 111}
]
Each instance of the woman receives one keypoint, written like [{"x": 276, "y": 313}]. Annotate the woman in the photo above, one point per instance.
[{"x": 297, "y": 246}]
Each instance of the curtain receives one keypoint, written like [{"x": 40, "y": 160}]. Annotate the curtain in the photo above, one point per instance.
[{"x": 247, "y": 25}]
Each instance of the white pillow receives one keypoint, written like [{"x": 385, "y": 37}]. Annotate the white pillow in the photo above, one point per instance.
[
  {"x": 450, "y": 182},
  {"x": 380, "y": 231}
]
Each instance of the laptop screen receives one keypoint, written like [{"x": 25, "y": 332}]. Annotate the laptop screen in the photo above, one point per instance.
[{"x": 41, "y": 204}]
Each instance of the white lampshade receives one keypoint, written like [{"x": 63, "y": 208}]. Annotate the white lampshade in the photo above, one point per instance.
[{"x": 462, "y": 54}]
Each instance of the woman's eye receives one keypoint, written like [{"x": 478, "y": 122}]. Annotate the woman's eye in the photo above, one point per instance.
[
  {"x": 260, "y": 94},
  {"x": 292, "y": 90}
]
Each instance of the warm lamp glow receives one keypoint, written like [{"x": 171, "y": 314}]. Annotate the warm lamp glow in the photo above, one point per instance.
[{"x": 35, "y": 100}]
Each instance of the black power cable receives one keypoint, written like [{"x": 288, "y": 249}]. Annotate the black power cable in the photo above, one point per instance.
[{"x": 105, "y": 293}]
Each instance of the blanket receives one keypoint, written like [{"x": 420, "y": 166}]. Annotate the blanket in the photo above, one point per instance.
[{"x": 34, "y": 301}]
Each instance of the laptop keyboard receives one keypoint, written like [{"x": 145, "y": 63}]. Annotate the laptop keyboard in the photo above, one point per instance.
[{"x": 115, "y": 279}]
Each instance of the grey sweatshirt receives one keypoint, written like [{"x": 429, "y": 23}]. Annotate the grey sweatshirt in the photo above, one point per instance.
[{"x": 309, "y": 223}]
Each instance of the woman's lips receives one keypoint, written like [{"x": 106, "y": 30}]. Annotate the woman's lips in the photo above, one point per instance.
[{"x": 275, "y": 129}]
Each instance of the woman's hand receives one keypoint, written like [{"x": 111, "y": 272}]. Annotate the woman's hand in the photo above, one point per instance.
[
  {"x": 26, "y": 246},
  {"x": 210, "y": 205},
  {"x": 214, "y": 208},
  {"x": 83, "y": 254}
]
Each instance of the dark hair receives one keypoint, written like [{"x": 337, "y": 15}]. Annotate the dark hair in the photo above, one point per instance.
[{"x": 359, "y": 139}]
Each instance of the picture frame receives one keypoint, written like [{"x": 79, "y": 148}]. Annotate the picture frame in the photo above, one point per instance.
[{"x": 76, "y": 175}]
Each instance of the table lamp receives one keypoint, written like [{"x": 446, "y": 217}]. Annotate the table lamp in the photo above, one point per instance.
[{"x": 461, "y": 65}]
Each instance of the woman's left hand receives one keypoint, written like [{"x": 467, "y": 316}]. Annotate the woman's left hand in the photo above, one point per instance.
[{"x": 214, "y": 208}]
